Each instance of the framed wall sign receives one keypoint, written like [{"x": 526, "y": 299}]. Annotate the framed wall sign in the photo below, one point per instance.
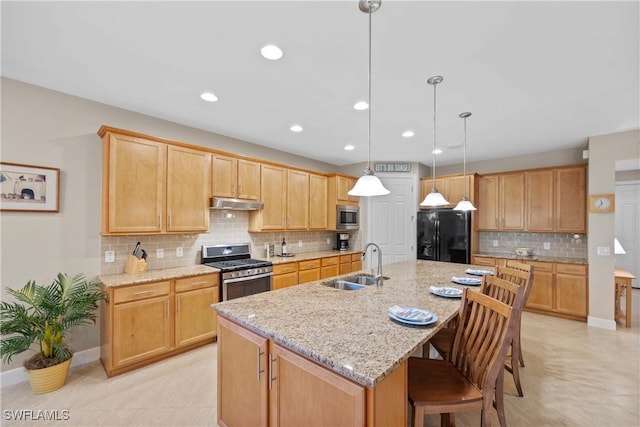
[{"x": 27, "y": 188}]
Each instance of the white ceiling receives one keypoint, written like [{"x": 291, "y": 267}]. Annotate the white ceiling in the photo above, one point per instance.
[{"x": 537, "y": 76}]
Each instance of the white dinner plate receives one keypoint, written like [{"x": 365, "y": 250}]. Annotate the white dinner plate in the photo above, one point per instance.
[
  {"x": 445, "y": 291},
  {"x": 469, "y": 281},
  {"x": 411, "y": 315},
  {"x": 477, "y": 272},
  {"x": 431, "y": 321}
]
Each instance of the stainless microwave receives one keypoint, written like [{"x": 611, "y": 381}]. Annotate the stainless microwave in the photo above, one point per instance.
[{"x": 347, "y": 217}]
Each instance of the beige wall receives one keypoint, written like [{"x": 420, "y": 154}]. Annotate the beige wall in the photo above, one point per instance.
[
  {"x": 47, "y": 128},
  {"x": 604, "y": 150}
]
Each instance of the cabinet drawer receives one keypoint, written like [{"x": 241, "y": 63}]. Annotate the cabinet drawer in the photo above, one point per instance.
[
  {"x": 308, "y": 265},
  {"x": 196, "y": 282},
  {"x": 540, "y": 266},
  {"x": 138, "y": 292},
  {"x": 480, "y": 260},
  {"x": 344, "y": 259},
  {"x": 333, "y": 260},
  {"x": 290, "y": 267},
  {"x": 356, "y": 257},
  {"x": 580, "y": 270}
]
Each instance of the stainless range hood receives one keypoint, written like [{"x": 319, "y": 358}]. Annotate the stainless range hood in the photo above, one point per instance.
[{"x": 235, "y": 204}]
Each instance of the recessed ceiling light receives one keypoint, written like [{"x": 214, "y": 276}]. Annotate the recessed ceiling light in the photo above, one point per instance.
[
  {"x": 271, "y": 52},
  {"x": 349, "y": 147},
  {"x": 360, "y": 105},
  {"x": 296, "y": 128},
  {"x": 209, "y": 96},
  {"x": 408, "y": 133},
  {"x": 437, "y": 151}
]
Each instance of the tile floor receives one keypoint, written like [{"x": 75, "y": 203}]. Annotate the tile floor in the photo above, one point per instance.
[{"x": 574, "y": 376}]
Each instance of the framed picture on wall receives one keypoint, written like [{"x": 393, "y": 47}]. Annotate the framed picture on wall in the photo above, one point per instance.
[{"x": 27, "y": 188}]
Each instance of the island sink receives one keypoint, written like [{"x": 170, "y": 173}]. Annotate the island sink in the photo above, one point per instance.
[
  {"x": 343, "y": 285},
  {"x": 353, "y": 283}
]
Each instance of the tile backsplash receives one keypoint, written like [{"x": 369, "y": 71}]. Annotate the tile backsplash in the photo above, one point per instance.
[
  {"x": 560, "y": 245},
  {"x": 225, "y": 227}
]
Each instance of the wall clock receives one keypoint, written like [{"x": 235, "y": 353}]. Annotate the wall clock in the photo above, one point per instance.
[{"x": 601, "y": 202}]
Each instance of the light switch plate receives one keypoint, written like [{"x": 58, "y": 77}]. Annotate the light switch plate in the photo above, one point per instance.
[
  {"x": 159, "y": 253},
  {"x": 328, "y": 241},
  {"x": 546, "y": 245},
  {"x": 604, "y": 251},
  {"x": 110, "y": 256},
  {"x": 495, "y": 243},
  {"x": 299, "y": 243},
  {"x": 179, "y": 251}
]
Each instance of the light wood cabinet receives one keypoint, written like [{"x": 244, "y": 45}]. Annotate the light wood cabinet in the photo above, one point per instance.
[
  {"x": 297, "y": 216},
  {"x": 345, "y": 264},
  {"x": 318, "y": 202},
  {"x": 571, "y": 200},
  {"x": 309, "y": 270},
  {"x": 488, "y": 203},
  {"x": 235, "y": 178},
  {"x": 452, "y": 187},
  {"x": 302, "y": 390},
  {"x": 511, "y": 202},
  {"x": 284, "y": 275},
  {"x": 150, "y": 187},
  {"x": 273, "y": 188},
  {"x": 540, "y": 200},
  {"x": 330, "y": 267},
  {"x": 541, "y": 296},
  {"x": 337, "y": 188},
  {"x": 141, "y": 324},
  {"x": 571, "y": 289},
  {"x": 356, "y": 262},
  {"x": 243, "y": 382}
]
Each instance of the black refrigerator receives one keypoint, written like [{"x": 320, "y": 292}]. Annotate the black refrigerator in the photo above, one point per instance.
[{"x": 444, "y": 235}]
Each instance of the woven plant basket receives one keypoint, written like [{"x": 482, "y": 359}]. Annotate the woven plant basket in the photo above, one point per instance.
[{"x": 48, "y": 379}]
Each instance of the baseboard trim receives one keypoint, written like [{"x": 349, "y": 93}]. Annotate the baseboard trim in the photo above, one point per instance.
[
  {"x": 18, "y": 375},
  {"x": 597, "y": 322}
]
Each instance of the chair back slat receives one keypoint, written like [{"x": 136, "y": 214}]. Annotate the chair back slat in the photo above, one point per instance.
[{"x": 484, "y": 334}]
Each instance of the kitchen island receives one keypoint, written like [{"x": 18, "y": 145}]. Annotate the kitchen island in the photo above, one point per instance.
[{"x": 312, "y": 354}]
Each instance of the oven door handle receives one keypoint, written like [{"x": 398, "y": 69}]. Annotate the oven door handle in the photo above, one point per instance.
[{"x": 244, "y": 279}]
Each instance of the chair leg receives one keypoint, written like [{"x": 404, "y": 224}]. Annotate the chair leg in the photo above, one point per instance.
[
  {"x": 418, "y": 416},
  {"x": 515, "y": 370},
  {"x": 499, "y": 400},
  {"x": 485, "y": 416},
  {"x": 448, "y": 420},
  {"x": 519, "y": 343}
]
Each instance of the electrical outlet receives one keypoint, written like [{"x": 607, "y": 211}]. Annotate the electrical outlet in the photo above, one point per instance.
[
  {"x": 546, "y": 245},
  {"x": 495, "y": 243},
  {"x": 299, "y": 243},
  {"x": 110, "y": 256},
  {"x": 159, "y": 253},
  {"x": 328, "y": 241},
  {"x": 179, "y": 251},
  {"x": 604, "y": 251}
]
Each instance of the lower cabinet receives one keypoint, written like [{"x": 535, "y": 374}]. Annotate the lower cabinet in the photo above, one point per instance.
[
  {"x": 309, "y": 271},
  {"x": 559, "y": 289},
  {"x": 261, "y": 383},
  {"x": 141, "y": 324},
  {"x": 330, "y": 267},
  {"x": 284, "y": 275}
]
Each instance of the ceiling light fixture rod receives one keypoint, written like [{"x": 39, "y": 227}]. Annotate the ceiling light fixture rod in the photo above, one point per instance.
[
  {"x": 464, "y": 204},
  {"x": 434, "y": 198}
]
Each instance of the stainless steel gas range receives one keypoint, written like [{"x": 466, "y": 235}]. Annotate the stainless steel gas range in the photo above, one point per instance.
[{"x": 240, "y": 274}]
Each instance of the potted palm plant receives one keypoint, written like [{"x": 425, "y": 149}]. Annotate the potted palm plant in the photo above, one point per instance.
[{"x": 44, "y": 315}]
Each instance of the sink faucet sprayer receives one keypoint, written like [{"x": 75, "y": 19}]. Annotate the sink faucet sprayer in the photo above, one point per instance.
[{"x": 380, "y": 278}]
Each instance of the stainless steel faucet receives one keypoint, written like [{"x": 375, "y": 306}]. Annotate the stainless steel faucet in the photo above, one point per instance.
[{"x": 380, "y": 278}]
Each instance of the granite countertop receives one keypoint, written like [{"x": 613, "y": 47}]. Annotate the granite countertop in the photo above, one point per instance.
[
  {"x": 113, "y": 280},
  {"x": 350, "y": 332},
  {"x": 305, "y": 256},
  {"x": 534, "y": 258}
]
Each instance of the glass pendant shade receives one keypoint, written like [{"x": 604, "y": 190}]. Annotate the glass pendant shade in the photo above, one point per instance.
[
  {"x": 434, "y": 199},
  {"x": 465, "y": 205},
  {"x": 368, "y": 185}
]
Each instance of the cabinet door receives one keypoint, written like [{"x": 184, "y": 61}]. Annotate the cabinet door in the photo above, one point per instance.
[
  {"x": 306, "y": 276},
  {"x": 274, "y": 195},
  {"x": 141, "y": 329},
  {"x": 512, "y": 201},
  {"x": 242, "y": 376},
  {"x": 540, "y": 199},
  {"x": 456, "y": 187},
  {"x": 133, "y": 201},
  {"x": 284, "y": 280},
  {"x": 571, "y": 200},
  {"x": 188, "y": 190},
  {"x": 223, "y": 176},
  {"x": 488, "y": 203},
  {"x": 351, "y": 182},
  {"x": 302, "y": 390},
  {"x": 248, "y": 180},
  {"x": 342, "y": 188},
  {"x": 541, "y": 296},
  {"x": 297, "y": 200},
  {"x": 571, "y": 289},
  {"x": 318, "y": 200},
  {"x": 195, "y": 320}
]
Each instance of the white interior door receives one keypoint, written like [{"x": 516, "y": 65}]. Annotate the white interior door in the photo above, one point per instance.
[
  {"x": 391, "y": 220},
  {"x": 627, "y": 213}
]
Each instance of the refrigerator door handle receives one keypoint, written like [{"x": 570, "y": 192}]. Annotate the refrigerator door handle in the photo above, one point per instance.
[{"x": 437, "y": 241}]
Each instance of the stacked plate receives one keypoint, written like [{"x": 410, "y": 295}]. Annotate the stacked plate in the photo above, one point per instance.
[
  {"x": 445, "y": 291},
  {"x": 469, "y": 281},
  {"x": 412, "y": 315}
]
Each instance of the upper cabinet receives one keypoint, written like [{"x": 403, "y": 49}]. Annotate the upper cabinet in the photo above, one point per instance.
[
  {"x": 338, "y": 187},
  {"x": 452, "y": 187},
  {"x": 150, "y": 187},
  {"x": 235, "y": 178},
  {"x": 273, "y": 188},
  {"x": 536, "y": 200},
  {"x": 297, "y": 215},
  {"x": 317, "y": 202}
]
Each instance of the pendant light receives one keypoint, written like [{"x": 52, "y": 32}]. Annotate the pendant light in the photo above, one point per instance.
[
  {"x": 369, "y": 184},
  {"x": 464, "y": 204},
  {"x": 434, "y": 198}
]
